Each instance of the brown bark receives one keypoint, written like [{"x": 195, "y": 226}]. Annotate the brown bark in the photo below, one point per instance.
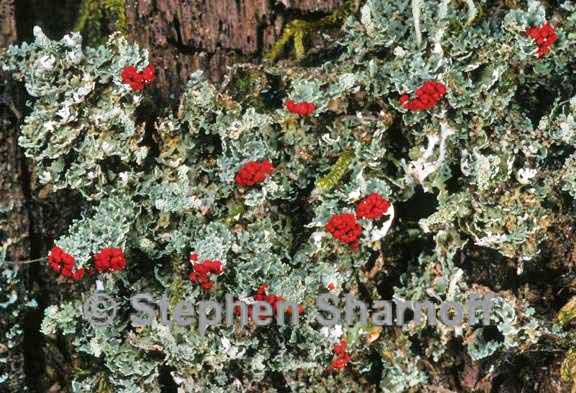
[
  {"x": 14, "y": 221},
  {"x": 26, "y": 223},
  {"x": 15, "y": 224},
  {"x": 184, "y": 36},
  {"x": 7, "y": 22}
]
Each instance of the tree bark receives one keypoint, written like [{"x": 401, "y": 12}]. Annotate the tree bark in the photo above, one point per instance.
[
  {"x": 14, "y": 221},
  {"x": 27, "y": 223},
  {"x": 7, "y": 23},
  {"x": 184, "y": 36}
]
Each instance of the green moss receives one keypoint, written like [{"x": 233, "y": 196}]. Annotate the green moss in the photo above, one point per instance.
[
  {"x": 247, "y": 85},
  {"x": 243, "y": 84},
  {"x": 297, "y": 30},
  {"x": 336, "y": 173},
  {"x": 177, "y": 290},
  {"x": 98, "y": 18},
  {"x": 234, "y": 214}
]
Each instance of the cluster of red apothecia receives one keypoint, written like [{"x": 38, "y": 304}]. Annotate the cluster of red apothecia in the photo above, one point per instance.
[
  {"x": 342, "y": 357},
  {"x": 427, "y": 96},
  {"x": 544, "y": 36},
  {"x": 273, "y": 300},
  {"x": 202, "y": 270},
  {"x": 138, "y": 79},
  {"x": 303, "y": 108},
  {"x": 253, "y": 172},
  {"x": 106, "y": 260},
  {"x": 345, "y": 226},
  {"x": 65, "y": 264}
]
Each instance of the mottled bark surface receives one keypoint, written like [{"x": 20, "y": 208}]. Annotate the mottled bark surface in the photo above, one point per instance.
[
  {"x": 7, "y": 22},
  {"x": 14, "y": 222},
  {"x": 184, "y": 36},
  {"x": 28, "y": 223},
  {"x": 12, "y": 179},
  {"x": 14, "y": 230},
  {"x": 13, "y": 205}
]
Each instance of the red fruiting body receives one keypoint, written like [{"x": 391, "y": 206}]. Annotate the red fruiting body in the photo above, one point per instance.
[
  {"x": 340, "y": 362},
  {"x": 372, "y": 207},
  {"x": 274, "y": 301},
  {"x": 214, "y": 267},
  {"x": 345, "y": 228},
  {"x": 427, "y": 96},
  {"x": 129, "y": 73},
  {"x": 64, "y": 264},
  {"x": 202, "y": 270},
  {"x": 135, "y": 79},
  {"x": 254, "y": 172},
  {"x": 148, "y": 74},
  {"x": 342, "y": 357},
  {"x": 300, "y": 309},
  {"x": 301, "y": 108},
  {"x": 262, "y": 296},
  {"x": 340, "y": 348},
  {"x": 130, "y": 76},
  {"x": 331, "y": 286},
  {"x": 110, "y": 260},
  {"x": 78, "y": 274},
  {"x": 261, "y": 292},
  {"x": 545, "y": 36}
]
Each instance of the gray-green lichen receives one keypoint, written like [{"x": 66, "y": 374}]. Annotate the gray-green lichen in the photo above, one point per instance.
[{"x": 496, "y": 155}]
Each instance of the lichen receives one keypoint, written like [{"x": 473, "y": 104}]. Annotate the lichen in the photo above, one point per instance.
[{"x": 483, "y": 178}]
